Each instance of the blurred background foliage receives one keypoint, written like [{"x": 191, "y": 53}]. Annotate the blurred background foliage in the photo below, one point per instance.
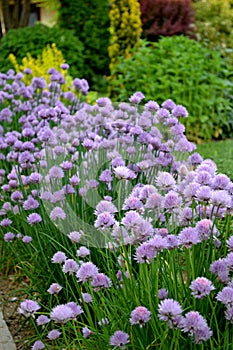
[{"x": 185, "y": 52}]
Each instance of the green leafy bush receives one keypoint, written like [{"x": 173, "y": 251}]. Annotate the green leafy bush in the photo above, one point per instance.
[
  {"x": 90, "y": 22},
  {"x": 214, "y": 25},
  {"x": 182, "y": 69},
  {"x": 33, "y": 39}
]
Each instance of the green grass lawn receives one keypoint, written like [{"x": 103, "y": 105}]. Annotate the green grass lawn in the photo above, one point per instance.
[{"x": 221, "y": 152}]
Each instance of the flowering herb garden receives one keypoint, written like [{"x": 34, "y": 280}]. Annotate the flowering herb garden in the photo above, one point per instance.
[{"x": 124, "y": 232}]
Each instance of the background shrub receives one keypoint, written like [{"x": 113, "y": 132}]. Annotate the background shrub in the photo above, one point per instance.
[
  {"x": 50, "y": 57},
  {"x": 182, "y": 69},
  {"x": 125, "y": 28},
  {"x": 166, "y": 18},
  {"x": 214, "y": 25},
  {"x": 32, "y": 40},
  {"x": 90, "y": 22}
]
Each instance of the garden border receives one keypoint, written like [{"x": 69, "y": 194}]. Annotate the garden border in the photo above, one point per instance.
[{"x": 6, "y": 340}]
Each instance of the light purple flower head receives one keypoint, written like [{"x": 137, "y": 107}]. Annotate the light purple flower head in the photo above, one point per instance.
[
  {"x": 188, "y": 237},
  {"x": 34, "y": 218},
  {"x": 28, "y": 307},
  {"x": 61, "y": 313},
  {"x": 26, "y": 239},
  {"x": 100, "y": 281},
  {"x": 162, "y": 294},
  {"x": 38, "y": 345},
  {"x": 87, "y": 298},
  {"x": 86, "y": 332},
  {"x": 105, "y": 206},
  {"x": 54, "y": 334},
  {"x": 9, "y": 236},
  {"x": 169, "y": 104},
  {"x": 87, "y": 272},
  {"x": 170, "y": 311},
  {"x": 42, "y": 319},
  {"x": 122, "y": 172},
  {"x": 75, "y": 236},
  {"x": 140, "y": 315},
  {"x": 201, "y": 287},
  {"x": 137, "y": 97},
  {"x": 54, "y": 288},
  {"x": 59, "y": 258},
  {"x": 70, "y": 266},
  {"x": 57, "y": 214},
  {"x": 81, "y": 85},
  {"x": 165, "y": 181},
  {"x": 104, "y": 219},
  {"x": 56, "y": 172},
  {"x": 180, "y": 111},
  {"x": 119, "y": 339},
  {"x": 194, "y": 324},
  {"x": 226, "y": 296}
]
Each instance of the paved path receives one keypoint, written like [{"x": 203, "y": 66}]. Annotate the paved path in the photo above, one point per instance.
[{"x": 6, "y": 340}]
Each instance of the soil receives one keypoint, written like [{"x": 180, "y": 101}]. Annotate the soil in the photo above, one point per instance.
[{"x": 12, "y": 292}]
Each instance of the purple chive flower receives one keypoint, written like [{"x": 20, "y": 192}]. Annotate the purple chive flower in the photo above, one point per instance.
[
  {"x": 119, "y": 339},
  {"x": 59, "y": 258},
  {"x": 28, "y": 307},
  {"x": 170, "y": 311},
  {"x": 152, "y": 106},
  {"x": 30, "y": 204},
  {"x": 57, "y": 214},
  {"x": 165, "y": 181},
  {"x": 132, "y": 203},
  {"x": 61, "y": 313},
  {"x": 219, "y": 267},
  {"x": 169, "y": 104},
  {"x": 54, "y": 334},
  {"x": 104, "y": 219},
  {"x": 204, "y": 194},
  {"x": 188, "y": 237},
  {"x": 87, "y": 272},
  {"x": 154, "y": 201},
  {"x": 204, "y": 178},
  {"x": 54, "y": 288},
  {"x": 27, "y": 239},
  {"x": 101, "y": 281},
  {"x": 34, "y": 218},
  {"x": 74, "y": 180},
  {"x": 5, "y": 222},
  {"x": 226, "y": 296},
  {"x": 17, "y": 196},
  {"x": 140, "y": 315},
  {"x": 106, "y": 176},
  {"x": 201, "y": 287},
  {"x": 194, "y": 324},
  {"x": 221, "y": 199},
  {"x": 162, "y": 114},
  {"x": 86, "y": 332},
  {"x": 221, "y": 182},
  {"x": 38, "y": 345},
  {"x": 162, "y": 294},
  {"x": 70, "y": 266},
  {"x": 195, "y": 159},
  {"x": 76, "y": 309},
  {"x": 103, "y": 101},
  {"x": 137, "y": 97},
  {"x": 41, "y": 320},
  {"x": 122, "y": 172},
  {"x": 105, "y": 206},
  {"x": 74, "y": 236},
  {"x": 204, "y": 229},
  {"x": 172, "y": 200},
  {"x": 64, "y": 66},
  {"x": 9, "y": 236},
  {"x": 229, "y": 243},
  {"x": 56, "y": 172},
  {"x": 87, "y": 298},
  {"x": 83, "y": 252},
  {"x": 66, "y": 165},
  {"x": 81, "y": 85},
  {"x": 229, "y": 314},
  {"x": 180, "y": 111}
]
